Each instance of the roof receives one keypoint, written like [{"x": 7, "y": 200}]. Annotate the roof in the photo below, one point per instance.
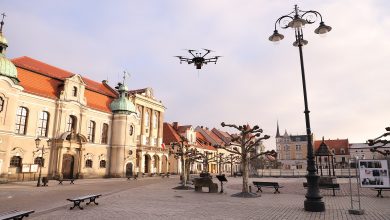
[
  {"x": 323, "y": 150},
  {"x": 203, "y": 143},
  {"x": 169, "y": 134},
  {"x": 183, "y": 128},
  {"x": 335, "y": 145},
  {"x": 51, "y": 78}
]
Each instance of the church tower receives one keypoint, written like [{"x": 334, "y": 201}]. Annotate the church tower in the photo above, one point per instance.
[{"x": 123, "y": 148}]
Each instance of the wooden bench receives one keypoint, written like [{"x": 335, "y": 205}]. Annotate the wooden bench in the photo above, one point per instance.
[
  {"x": 78, "y": 200},
  {"x": 66, "y": 180},
  {"x": 327, "y": 186},
  {"x": 380, "y": 191},
  {"x": 274, "y": 185},
  {"x": 15, "y": 214},
  {"x": 205, "y": 182}
]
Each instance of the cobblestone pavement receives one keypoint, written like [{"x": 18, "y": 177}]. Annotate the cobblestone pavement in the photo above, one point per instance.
[{"x": 154, "y": 198}]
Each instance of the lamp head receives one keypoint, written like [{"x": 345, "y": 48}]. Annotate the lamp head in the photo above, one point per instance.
[
  {"x": 275, "y": 37},
  {"x": 297, "y": 22},
  {"x": 301, "y": 41},
  {"x": 323, "y": 28}
]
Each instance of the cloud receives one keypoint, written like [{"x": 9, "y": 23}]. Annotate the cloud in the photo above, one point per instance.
[{"x": 254, "y": 82}]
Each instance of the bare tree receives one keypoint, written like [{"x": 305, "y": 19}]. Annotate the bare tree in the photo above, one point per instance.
[
  {"x": 379, "y": 145},
  {"x": 244, "y": 145}
]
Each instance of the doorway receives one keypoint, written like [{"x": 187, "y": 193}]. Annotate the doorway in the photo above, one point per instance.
[
  {"x": 129, "y": 169},
  {"x": 147, "y": 164},
  {"x": 67, "y": 166}
]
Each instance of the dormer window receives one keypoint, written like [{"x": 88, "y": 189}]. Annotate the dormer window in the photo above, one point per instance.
[{"x": 74, "y": 91}]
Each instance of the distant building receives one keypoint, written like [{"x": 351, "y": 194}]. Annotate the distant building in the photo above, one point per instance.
[
  {"x": 362, "y": 151},
  {"x": 291, "y": 149},
  {"x": 340, "y": 149}
]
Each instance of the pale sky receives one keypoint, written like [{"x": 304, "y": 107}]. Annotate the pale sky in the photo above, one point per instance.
[{"x": 255, "y": 82}]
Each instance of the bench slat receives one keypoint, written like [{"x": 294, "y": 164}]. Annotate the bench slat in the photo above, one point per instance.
[{"x": 14, "y": 214}]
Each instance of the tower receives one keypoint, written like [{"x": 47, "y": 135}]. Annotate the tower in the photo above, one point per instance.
[{"x": 122, "y": 152}]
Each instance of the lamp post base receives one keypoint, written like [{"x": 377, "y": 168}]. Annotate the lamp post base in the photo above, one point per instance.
[
  {"x": 314, "y": 205},
  {"x": 313, "y": 202}
]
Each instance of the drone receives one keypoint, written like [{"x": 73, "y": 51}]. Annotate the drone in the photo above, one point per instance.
[{"x": 198, "y": 59}]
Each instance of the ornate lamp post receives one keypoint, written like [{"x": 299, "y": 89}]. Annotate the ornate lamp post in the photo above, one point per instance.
[{"x": 296, "y": 20}]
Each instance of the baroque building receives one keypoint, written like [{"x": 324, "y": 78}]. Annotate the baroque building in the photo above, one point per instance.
[{"x": 88, "y": 129}]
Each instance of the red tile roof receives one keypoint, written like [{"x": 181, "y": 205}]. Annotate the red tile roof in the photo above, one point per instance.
[
  {"x": 51, "y": 79},
  {"x": 169, "y": 134},
  {"x": 203, "y": 143},
  {"x": 334, "y": 144}
]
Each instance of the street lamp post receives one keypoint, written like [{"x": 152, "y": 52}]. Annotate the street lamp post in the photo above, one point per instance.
[
  {"x": 37, "y": 142},
  {"x": 296, "y": 20}
]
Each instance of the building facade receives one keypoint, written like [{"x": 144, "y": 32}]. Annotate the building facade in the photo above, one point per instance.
[
  {"x": 291, "y": 149},
  {"x": 88, "y": 129}
]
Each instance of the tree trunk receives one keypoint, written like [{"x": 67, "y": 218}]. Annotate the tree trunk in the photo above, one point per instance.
[
  {"x": 188, "y": 164},
  {"x": 183, "y": 172},
  {"x": 245, "y": 174}
]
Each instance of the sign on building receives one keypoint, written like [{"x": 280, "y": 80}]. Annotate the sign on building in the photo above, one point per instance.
[{"x": 374, "y": 173}]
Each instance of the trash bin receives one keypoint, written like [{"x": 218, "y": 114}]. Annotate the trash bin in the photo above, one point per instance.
[{"x": 45, "y": 181}]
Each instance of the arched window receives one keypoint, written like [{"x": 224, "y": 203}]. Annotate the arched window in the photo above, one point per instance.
[
  {"x": 1, "y": 104},
  {"x": 72, "y": 123},
  {"x": 16, "y": 161},
  {"x": 74, "y": 91},
  {"x": 105, "y": 134},
  {"x": 147, "y": 121},
  {"x": 43, "y": 123},
  {"x": 139, "y": 111},
  {"x": 91, "y": 131},
  {"x": 21, "y": 120},
  {"x": 131, "y": 130},
  {"x": 88, "y": 163},
  {"x": 102, "y": 164},
  {"x": 40, "y": 161}
]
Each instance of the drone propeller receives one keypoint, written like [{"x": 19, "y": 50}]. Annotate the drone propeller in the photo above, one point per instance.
[{"x": 208, "y": 50}]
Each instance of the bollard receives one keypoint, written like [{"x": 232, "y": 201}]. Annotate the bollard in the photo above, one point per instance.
[{"x": 250, "y": 189}]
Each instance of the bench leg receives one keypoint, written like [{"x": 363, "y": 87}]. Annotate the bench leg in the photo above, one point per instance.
[
  {"x": 72, "y": 182},
  {"x": 276, "y": 190},
  {"x": 259, "y": 189},
  {"x": 379, "y": 193},
  {"x": 77, "y": 203},
  {"x": 59, "y": 182},
  {"x": 92, "y": 200}
]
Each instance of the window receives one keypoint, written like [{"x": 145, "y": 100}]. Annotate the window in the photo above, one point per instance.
[
  {"x": 298, "y": 147},
  {"x": 74, "y": 91},
  {"x": 16, "y": 161},
  {"x": 43, "y": 122},
  {"x": 131, "y": 130},
  {"x": 155, "y": 116},
  {"x": 139, "y": 112},
  {"x": 286, "y": 148},
  {"x": 147, "y": 119},
  {"x": 88, "y": 163},
  {"x": 91, "y": 131},
  {"x": 155, "y": 141},
  {"x": 72, "y": 122},
  {"x": 105, "y": 134},
  {"x": 102, "y": 164},
  {"x": 40, "y": 161},
  {"x": 21, "y": 120},
  {"x": 342, "y": 151},
  {"x": 1, "y": 104}
]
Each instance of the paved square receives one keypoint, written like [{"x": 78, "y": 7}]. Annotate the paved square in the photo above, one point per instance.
[{"x": 154, "y": 198}]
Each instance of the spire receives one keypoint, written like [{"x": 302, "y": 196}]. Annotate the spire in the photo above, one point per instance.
[
  {"x": 277, "y": 129},
  {"x": 2, "y": 23}
]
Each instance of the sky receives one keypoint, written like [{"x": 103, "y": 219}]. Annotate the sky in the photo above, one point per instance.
[{"x": 255, "y": 82}]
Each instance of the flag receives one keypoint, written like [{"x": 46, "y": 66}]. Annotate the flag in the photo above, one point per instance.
[{"x": 163, "y": 146}]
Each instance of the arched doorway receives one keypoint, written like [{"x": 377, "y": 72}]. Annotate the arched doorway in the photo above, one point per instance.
[
  {"x": 147, "y": 163},
  {"x": 67, "y": 166},
  {"x": 164, "y": 164},
  {"x": 129, "y": 169},
  {"x": 156, "y": 164}
]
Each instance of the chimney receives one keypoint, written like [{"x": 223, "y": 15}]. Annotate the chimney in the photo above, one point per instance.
[
  {"x": 175, "y": 125},
  {"x": 207, "y": 128}
]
